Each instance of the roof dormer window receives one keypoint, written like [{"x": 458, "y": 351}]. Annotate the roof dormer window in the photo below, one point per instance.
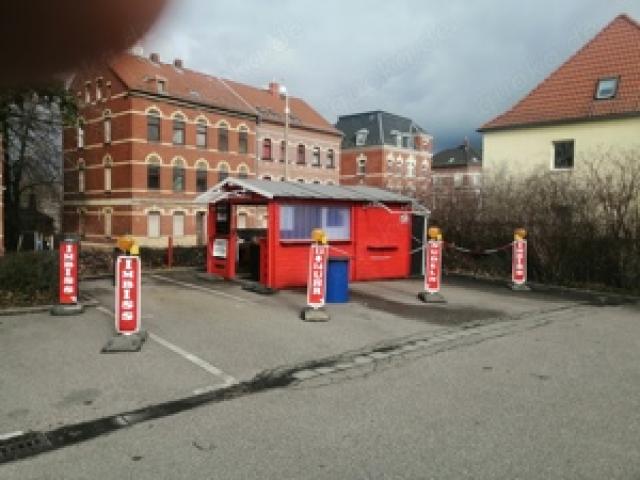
[
  {"x": 162, "y": 85},
  {"x": 361, "y": 137},
  {"x": 607, "y": 88}
]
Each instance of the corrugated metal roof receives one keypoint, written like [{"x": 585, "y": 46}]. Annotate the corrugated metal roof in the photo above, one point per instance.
[{"x": 270, "y": 189}]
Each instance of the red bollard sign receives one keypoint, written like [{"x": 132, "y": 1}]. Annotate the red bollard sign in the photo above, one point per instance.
[
  {"x": 519, "y": 262},
  {"x": 128, "y": 295},
  {"x": 433, "y": 270},
  {"x": 317, "y": 281},
  {"x": 68, "y": 292}
]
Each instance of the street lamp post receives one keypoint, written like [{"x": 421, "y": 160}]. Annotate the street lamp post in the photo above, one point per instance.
[{"x": 283, "y": 91}]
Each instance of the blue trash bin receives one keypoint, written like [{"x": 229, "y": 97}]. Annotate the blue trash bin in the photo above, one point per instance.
[{"x": 338, "y": 280}]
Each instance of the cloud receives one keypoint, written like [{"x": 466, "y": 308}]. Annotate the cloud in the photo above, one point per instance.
[{"x": 451, "y": 66}]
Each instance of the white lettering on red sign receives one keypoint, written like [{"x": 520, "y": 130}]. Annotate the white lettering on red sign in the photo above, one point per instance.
[
  {"x": 433, "y": 270},
  {"x": 68, "y": 292},
  {"x": 317, "y": 281},
  {"x": 519, "y": 262},
  {"x": 128, "y": 295}
]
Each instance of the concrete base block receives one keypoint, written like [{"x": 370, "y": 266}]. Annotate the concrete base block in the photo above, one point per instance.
[
  {"x": 126, "y": 343},
  {"x": 431, "y": 297},
  {"x": 67, "y": 310},
  {"x": 314, "y": 315},
  {"x": 519, "y": 288}
]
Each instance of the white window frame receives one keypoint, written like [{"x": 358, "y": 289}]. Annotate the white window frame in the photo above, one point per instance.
[
  {"x": 177, "y": 229},
  {"x": 153, "y": 215}
]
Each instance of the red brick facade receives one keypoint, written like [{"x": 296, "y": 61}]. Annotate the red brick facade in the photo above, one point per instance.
[
  {"x": 122, "y": 180},
  {"x": 384, "y": 150},
  {"x": 405, "y": 171}
]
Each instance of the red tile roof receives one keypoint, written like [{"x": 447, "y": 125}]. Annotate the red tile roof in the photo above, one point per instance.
[
  {"x": 139, "y": 73},
  {"x": 271, "y": 107},
  {"x": 568, "y": 94}
]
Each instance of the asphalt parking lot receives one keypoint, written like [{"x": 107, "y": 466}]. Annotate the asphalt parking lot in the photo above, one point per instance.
[{"x": 205, "y": 335}]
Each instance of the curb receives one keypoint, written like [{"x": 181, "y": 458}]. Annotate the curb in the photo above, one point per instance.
[
  {"x": 596, "y": 296},
  {"x": 14, "y": 311}
]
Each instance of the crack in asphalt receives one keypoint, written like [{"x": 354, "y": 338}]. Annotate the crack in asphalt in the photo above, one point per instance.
[{"x": 366, "y": 360}]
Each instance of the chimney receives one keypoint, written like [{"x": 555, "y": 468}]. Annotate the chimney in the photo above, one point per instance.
[
  {"x": 274, "y": 88},
  {"x": 154, "y": 57},
  {"x": 178, "y": 63}
]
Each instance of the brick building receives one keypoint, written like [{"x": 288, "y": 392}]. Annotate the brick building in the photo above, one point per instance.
[
  {"x": 456, "y": 175},
  {"x": 384, "y": 150},
  {"x": 153, "y": 135}
]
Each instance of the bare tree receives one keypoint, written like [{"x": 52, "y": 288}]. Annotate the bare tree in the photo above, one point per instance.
[{"x": 31, "y": 121}]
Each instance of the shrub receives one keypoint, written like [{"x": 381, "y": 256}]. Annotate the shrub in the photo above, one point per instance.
[
  {"x": 29, "y": 276},
  {"x": 584, "y": 227}
]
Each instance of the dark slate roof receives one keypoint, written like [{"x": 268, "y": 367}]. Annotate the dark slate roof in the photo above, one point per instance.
[
  {"x": 461, "y": 156},
  {"x": 270, "y": 189},
  {"x": 380, "y": 125}
]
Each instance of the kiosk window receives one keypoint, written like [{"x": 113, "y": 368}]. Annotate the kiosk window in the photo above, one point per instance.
[{"x": 297, "y": 222}]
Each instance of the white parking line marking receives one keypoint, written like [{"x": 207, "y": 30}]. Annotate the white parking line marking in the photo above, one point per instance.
[
  {"x": 227, "y": 379},
  {"x": 198, "y": 287}
]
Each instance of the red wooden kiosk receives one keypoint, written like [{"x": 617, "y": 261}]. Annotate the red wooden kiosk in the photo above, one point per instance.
[{"x": 374, "y": 228}]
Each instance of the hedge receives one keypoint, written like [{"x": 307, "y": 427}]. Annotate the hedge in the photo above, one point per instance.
[{"x": 28, "y": 277}]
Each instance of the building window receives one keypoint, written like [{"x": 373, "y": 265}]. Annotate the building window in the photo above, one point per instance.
[
  {"x": 162, "y": 86},
  {"x": 107, "y": 222},
  {"x": 153, "y": 174},
  {"x": 223, "y": 138},
  {"x": 406, "y": 141},
  {"x": 98, "y": 90},
  {"x": 331, "y": 159},
  {"x": 223, "y": 172},
  {"x": 607, "y": 88},
  {"x": 108, "y": 164},
  {"x": 361, "y": 165},
  {"x": 316, "y": 157},
  {"x": 153, "y": 225},
  {"x": 243, "y": 171},
  {"x": 179, "y": 127},
  {"x": 283, "y": 150},
  {"x": 178, "y": 224},
  {"x": 81, "y": 134},
  {"x": 202, "y": 173},
  {"x": 300, "y": 180},
  {"x": 298, "y": 221},
  {"x": 87, "y": 93},
  {"x": 107, "y": 127},
  {"x": 153, "y": 126},
  {"x": 81, "y": 176},
  {"x": 242, "y": 221},
  {"x": 243, "y": 140},
  {"x": 266, "y": 177},
  {"x": 178, "y": 176},
  {"x": 411, "y": 168},
  {"x": 266, "y": 149},
  {"x": 563, "y": 154},
  {"x": 458, "y": 180},
  {"x": 201, "y": 134},
  {"x": 301, "y": 155},
  {"x": 361, "y": 137}
]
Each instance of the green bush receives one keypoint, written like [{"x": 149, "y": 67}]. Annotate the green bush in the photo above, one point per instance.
[{"x": 29, "y": 274}]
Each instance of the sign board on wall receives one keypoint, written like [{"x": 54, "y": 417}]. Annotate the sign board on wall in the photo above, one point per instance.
[
  {"x": 128, "y": 295},
  {"x": 220, "y": 247},
  {"x": 68, "y": 291},
  {"x": 317, "y": 281}
]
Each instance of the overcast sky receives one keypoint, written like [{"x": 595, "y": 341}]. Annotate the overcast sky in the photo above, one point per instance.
[{"x": 451, "y": 65}]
